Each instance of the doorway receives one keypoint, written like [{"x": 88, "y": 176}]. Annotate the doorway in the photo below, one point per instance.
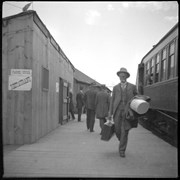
[{"x": 63, "y": 101}]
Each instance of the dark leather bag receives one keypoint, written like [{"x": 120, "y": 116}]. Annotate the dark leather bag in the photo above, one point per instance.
[
  {"x": 107, "y": 131},
  {"x": 132, "y": 118}
]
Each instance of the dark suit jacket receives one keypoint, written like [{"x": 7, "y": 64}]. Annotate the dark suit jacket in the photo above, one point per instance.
[
  {"x": 131, "y": 91},
  {"x": 79, "y": 100},
  {"x": 71, "y": 104},
  {"x": 116, "y": 96},
  {"x": 89, "y": 98},
  {"x": 102, "y": 104}
]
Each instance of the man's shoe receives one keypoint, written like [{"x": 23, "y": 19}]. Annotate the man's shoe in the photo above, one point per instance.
[
  {"x": 122, "y": 154},
  {"x": 92, "y": 131}
]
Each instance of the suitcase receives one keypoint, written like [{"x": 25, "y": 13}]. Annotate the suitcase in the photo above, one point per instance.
[{"x": 107, "y": 131}]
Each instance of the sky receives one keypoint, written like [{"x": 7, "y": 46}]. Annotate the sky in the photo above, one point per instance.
[{"x": 101, "y": 37}]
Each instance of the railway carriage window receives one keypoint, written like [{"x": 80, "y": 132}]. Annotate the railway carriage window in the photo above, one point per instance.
[
  {"x": 171, "y": 63},
  {"x": 147, "y": 68},
  {"x": 157, "y": 69},
  {"x": 163, "y": 65},
  {"x": 151, "y": 70},
  {"x": 147, "y": 73},
  {"x": 150, "y": 79}
]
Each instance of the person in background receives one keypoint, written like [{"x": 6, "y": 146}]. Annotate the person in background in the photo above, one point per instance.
[
  {"x": 121, "y": 96},
  {"x": 89, "y": 100},
  {"x": 71, "y": 104},
  {"x": 80, "y": 103},
  {"x": 102, "y": 103}
]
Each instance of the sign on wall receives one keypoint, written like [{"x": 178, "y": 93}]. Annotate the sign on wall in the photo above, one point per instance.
[
  {"x": 20, "y": 80},
  {"x": 23, "y": 72},
  {"x": 57, "y": 87}
]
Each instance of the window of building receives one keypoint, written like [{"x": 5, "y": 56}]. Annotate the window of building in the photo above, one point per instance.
[
  {"x": 45, "y": 79},
  {"x": 171, "y": 63},
  {"x": 163, "y": 64},
  {"x": 157, "y": 68}
]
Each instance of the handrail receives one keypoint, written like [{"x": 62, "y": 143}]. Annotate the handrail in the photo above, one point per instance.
[{"x": 167, "y": 115}]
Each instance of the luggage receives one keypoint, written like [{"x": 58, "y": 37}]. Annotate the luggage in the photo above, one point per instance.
[
  {"x": 132, "y": 118},
  {"x": 107, "y": 131},
  {"x": 140, "y": 106}
]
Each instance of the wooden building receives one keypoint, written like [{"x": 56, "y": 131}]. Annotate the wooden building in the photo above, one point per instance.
[
  {"x": 36, "y": 78},
  {"x": 82, "y": 80}
]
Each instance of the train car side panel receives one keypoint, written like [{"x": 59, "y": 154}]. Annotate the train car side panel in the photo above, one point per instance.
[{"x": 164, "y": 95}]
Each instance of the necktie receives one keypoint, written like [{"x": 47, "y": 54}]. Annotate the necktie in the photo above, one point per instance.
[{"x": 123, "y": 86}]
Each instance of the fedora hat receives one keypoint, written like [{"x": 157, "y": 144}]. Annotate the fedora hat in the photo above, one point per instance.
[{"x": 123, "y": 70}]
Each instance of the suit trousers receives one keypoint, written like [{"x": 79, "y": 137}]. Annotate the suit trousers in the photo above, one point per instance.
[
  {"x": 90, "y": 119},
  {"x": 121, "y": 131},
  {"x": 79, "y": 114},
  {"x": 72, "y": 114},
  {"x": 101, "y": 122},
  {"x": 123, "y": 138}
]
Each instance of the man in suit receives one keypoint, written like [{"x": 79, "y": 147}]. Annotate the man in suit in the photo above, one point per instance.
[
  {"x": 80, "y": 103},
  {"x": 89, "y": 99},
  {"x": 102, "y": 103},
  {"x": 121, "y": 97}
]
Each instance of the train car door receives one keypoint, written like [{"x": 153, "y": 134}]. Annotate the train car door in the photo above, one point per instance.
[{"x": 63, "y": 101}]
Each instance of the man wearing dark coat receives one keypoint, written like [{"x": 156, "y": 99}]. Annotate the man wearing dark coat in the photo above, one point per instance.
[
  {"x": 102, "y": 103},
  {"x": 71, "y": 104},
  {"x": 80, "y": 103},
  {"x": 121, "y": 97},
  {"x": 89, "y": 99}
]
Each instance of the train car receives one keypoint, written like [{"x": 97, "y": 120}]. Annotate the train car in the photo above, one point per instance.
[{"x": 157, "y": 78}]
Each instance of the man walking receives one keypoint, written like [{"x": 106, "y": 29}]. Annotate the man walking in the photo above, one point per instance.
[
  {"x": 121, "y": 96},
  {"x": 102, "y": 103},
  {"x": 71, "y": 104},
  {"x": 89, "y": 99},
  {"x": 80, "y": 103}
]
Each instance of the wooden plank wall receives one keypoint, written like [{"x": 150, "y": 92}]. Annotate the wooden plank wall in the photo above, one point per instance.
[
  {"x": 39, "y": 100},
  {"x": 28, "y": 56},
  {"x": 16, "y": 104},
  {"x": 46, "y": 114},
  {"x": 29, "y": 115}
]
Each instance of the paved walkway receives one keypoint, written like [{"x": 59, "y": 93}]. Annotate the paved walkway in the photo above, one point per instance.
[{"x": 72, "y": 151}]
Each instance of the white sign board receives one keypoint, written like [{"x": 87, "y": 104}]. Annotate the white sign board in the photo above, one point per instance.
[
  {"x": 23, "y": 72},
  {"x": 57, "y": 87},
  {"x": 20, "y": 80}
]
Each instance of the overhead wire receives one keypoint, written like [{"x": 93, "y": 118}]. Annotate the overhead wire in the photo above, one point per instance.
[
  {"x": 18, "y": 6},
  {"x": 13, "y": 5}
]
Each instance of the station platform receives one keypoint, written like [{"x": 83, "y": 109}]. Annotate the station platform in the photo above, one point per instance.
[{"x": 72, "y": 151}]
